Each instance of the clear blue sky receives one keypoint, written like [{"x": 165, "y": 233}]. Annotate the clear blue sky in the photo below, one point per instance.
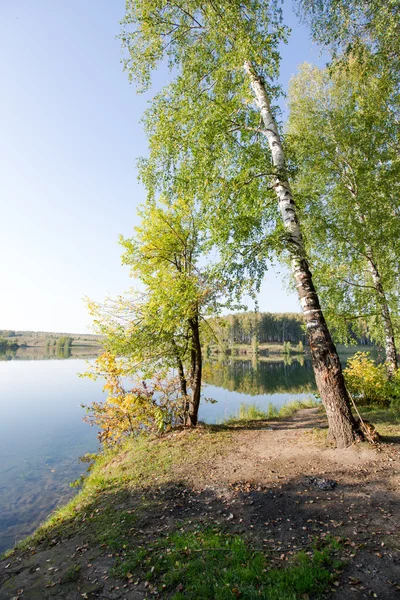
[{"x": 69, "y": 139}]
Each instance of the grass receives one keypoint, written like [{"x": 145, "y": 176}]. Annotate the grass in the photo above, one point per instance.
[
  {"x": 73, "y": 573},
  {"x": 209, "y": 564},
  {"x": 141, "y": 463},
  {"x": 252, "y": 412},
  {"x": 386, "y": 420},
  {"x": 273, "y": 348}
]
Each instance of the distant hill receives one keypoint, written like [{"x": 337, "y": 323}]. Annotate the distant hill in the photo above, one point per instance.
[{"x": 46, "y": 338}]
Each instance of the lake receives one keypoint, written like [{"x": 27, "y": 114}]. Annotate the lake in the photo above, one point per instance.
[{"x": 42, "y": 434}]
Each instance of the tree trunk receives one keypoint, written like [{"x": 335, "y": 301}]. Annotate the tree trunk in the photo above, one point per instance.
[
  {"x": 326, "y": 364},
  {"x": 182, "y": 380},
  {"x": 390, "y": 346},
  {"x": 197, "y": 365}
]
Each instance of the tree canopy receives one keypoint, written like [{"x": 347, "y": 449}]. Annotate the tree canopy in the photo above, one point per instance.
[
  {"x": 214, "y": 139},
  {"x": 344, "y": 146}
]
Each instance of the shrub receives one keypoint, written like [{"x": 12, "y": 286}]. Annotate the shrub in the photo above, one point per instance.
[
  {"x": 152, "y": 406},
  {"x": 394, "y": 387},
  {"x": 366, "y": 381}
]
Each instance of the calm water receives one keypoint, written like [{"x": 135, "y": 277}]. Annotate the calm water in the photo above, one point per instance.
[
  {"x": 42, "y": 434},
  {"x": 263, "y": 382}
]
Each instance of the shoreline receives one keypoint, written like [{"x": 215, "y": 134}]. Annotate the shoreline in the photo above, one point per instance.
[{"x": 247, "y": 481}]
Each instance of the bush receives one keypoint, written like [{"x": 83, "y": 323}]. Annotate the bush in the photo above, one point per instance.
[
  {"x": 394, "y": 388},
  {"x": 367, "y": 382},
  {"x": 152, "y": 406}
]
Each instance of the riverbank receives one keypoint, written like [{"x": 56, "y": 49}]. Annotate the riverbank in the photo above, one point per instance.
[{"x": 223, "y": 512}]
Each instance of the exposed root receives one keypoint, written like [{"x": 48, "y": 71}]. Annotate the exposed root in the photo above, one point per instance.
[{"x": 368, "y": 431}]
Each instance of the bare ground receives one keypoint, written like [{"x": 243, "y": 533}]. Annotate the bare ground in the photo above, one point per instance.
[{"x": 263, "y": 488}]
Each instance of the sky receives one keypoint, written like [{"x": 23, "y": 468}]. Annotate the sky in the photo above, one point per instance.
[{"x": 70, "y": 135}]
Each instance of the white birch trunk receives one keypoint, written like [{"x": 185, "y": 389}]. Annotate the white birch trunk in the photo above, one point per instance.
[
  {"x": 390, "y": 346},
  {"x": 326, "y": 364}
]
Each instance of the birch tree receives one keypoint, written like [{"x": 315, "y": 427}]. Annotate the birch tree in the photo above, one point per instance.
[
  {"x": 213, "y": 134},
  {"x": 345, "y": 147},
  {"x": 349, "y": 27}
]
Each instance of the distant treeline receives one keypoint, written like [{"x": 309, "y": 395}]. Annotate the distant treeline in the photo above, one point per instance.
[
  {"x": 61, "y": 342},
  {"x": 264, "y": 328},
  {"x": 50, "y": 339}
]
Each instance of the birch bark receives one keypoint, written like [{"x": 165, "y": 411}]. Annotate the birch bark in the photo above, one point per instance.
[
  {"x": 326, "y": 364},
  {"x": 390, "y": 346}
]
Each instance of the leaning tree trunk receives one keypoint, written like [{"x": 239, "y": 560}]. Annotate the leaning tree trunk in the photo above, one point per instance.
[
  {"x": 326, "y": 364},
  {"x": 196, "y": 374},
  {"x": 390, "y": 346}
]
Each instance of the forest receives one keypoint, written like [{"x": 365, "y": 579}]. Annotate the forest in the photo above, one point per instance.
[{"x": 258, "y": 327}]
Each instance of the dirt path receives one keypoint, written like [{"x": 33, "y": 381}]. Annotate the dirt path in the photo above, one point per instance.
[{"x": 266, "y": 486}]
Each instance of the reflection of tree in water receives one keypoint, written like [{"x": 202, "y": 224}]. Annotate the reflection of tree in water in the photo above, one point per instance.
[
  {"x": 7, "y": 354},
  {"x": 64, "y": 352},
  {"x": 43, "y": 353},
  {"x": 259, "y": 377}
]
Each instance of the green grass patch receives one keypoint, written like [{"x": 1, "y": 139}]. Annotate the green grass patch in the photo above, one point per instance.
[
  {"x": 386, "y": 420},
  {"x": 209, "y": 564},
  {"x": 252, "y": 412},
  {"x": 386, "y": 416}
]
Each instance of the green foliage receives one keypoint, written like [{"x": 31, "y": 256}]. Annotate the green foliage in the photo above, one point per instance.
[
  {"x": 300, "y": 347},
  {"x": 347, "y": 27},
  {"x": 64, "y": 342},
  {"x": 289, "y": 409},
  {"x": 210, "y": 564},
  {"x": 343, "y": 144},
  {"x": 152, "y": 407},
  {"x": 252, "y": 412},
  {"x": 386, "y": 419},
  {"x": 150, "y": 332},
  {"x": 367, "y": 382},
  {"x": 203, "y": 128},
  {"x": 242, "y": 327}
]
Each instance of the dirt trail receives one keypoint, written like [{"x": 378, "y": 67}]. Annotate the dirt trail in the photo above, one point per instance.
[{"x": 266, "y": 486}]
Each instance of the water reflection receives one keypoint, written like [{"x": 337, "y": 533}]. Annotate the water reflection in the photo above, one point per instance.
[
  {"x": 256, "y": 377},
  {"x": 49, "y": 352},
  {"x": 41, "y": 438},
  {"x": 232, "y": 382}
]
